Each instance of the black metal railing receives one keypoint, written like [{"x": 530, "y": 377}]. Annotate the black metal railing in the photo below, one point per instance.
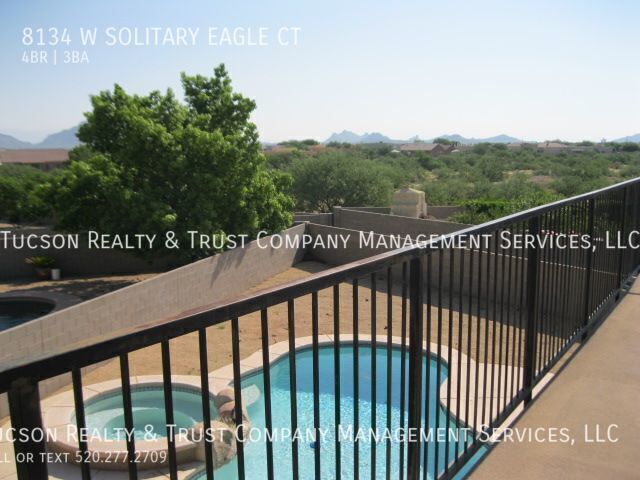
[{"x": 490, "y": 319}]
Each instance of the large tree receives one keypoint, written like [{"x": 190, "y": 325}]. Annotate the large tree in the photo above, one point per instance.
[
  {"x": 152, "y": 164},
  {"x": 336, "y": 178},
  {"x": 22, "y": 194}
]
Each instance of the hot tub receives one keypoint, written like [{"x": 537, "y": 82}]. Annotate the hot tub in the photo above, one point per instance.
[
  {"x": 106, "y": 434},
  {"x": 16, "y": 311},
  {"x": 22, "y": 306}
]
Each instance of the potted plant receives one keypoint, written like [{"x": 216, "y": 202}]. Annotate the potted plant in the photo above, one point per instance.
[{"x": 42, "y": 265}]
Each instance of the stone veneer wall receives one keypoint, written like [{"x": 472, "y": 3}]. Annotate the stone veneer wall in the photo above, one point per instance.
[{"x": 209, "y": 280}]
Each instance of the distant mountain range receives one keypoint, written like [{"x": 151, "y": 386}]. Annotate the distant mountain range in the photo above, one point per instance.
[
  {"x": 631, "y": 138},
  {"x": 471, "y": 141},
  {"x": 64, "y": 139},
  {"x": 68, "y": 139},
  {"x": 347, "y": 136}
]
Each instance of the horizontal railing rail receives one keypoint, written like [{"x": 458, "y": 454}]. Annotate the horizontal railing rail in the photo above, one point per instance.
[{"x": 430, "y": 336}]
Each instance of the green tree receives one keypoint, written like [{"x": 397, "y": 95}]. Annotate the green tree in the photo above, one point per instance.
[
  {"x": 492, "y": 168},
  {"x": 151, "y": 164},
  {"x": 300, "y": 144},
  {"x": 336, "y": 178},
  {"x": 630, "y": 147},
  {"x": 22, "y": 194}
]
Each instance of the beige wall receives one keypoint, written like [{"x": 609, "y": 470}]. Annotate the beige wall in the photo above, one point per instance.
[
  {"x": 442, "y": 280},
  {"x": 386, "y": 210},
  {"x": 392, "y": 224},
  {"x": 206, "y": 281},
  {"x": 319, "y": 218},
  {"x": 438, "y": 212},
  {"x": 442, "y": 212},
  {"x": 80, "y": 261}
]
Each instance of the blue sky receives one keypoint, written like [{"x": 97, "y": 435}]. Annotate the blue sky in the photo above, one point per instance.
[{"x": 533, "y": 69}]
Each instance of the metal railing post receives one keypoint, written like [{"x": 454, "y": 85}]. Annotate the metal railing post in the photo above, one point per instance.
[
  {"x": 529, "y": 366},
  {"x": 588, "y": 269},
  {"x": 415, "y": 367},
  {"x": 634, "y": 224},
  {"x": 24, "y": 407},
  {"x": 621, "y": 232}
]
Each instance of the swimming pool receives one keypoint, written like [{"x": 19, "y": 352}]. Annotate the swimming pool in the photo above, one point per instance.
[
  {"x": 255, "y": 451},
  {"x": 14, "y": 312}
]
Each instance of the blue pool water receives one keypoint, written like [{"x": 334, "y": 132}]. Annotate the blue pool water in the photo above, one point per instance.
[
  {"x": 105, "y": 413},
  {"x": 255, "y": 451}
]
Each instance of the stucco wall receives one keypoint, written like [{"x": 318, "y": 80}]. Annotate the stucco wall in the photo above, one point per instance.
[
  {"x": 392, "y": 224},
  {"x": 211, "y": 279},
  {"x": 498, "y": 275},
  {"x": 439, "y": 280},
  {"x": 80, "y": 261},
  {"x": 319, "y": 218},
  {"x": 383, "y": 210},
  {"x": 442, "y": 212},
  {"x": 438, "y": 212}
]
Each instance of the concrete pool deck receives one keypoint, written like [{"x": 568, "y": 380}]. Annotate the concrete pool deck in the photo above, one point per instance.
[{"x": 599, "y": 386}]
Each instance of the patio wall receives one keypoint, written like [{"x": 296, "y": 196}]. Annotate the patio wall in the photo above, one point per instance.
[
  {"x": 501, "y": 277},
  {"x": 442, "y": 212},
  {"x": 206, "y": 281},
  {"x": 319, "y": 218},
  {"x": 73, "y": 262},
  {"x": 391, "y": 224}
]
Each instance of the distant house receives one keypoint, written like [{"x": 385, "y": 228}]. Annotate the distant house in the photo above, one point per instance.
[
  {"x": 518, "y": 146},
  {"x": 591, "y": 148},
  {"x": 45, "y": 159},
  {"x": 514, "y": 147},
  {"x": 603, "y": 148},
  {"x": 431, "y": 148},
  {"x": 553, "y": 147},
  {"x": 464, "y": 147},
  {"x": 581, "y": 149}
]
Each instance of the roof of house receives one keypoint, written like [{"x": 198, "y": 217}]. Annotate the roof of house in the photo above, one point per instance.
[
  {"x": 34, "y": 156},
  {"x": 552, "y": 145},
  {"x": 419, "y": 147}
]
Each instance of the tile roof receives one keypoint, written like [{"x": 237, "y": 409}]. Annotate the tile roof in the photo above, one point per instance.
[{"x": 34, "y": 156}]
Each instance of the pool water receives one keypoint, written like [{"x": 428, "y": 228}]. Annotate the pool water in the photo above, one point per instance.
[
  {"x": 17, "y": 312},
  {"x": 255, "y": 451},
  {"x": 105, "y": 415}
]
